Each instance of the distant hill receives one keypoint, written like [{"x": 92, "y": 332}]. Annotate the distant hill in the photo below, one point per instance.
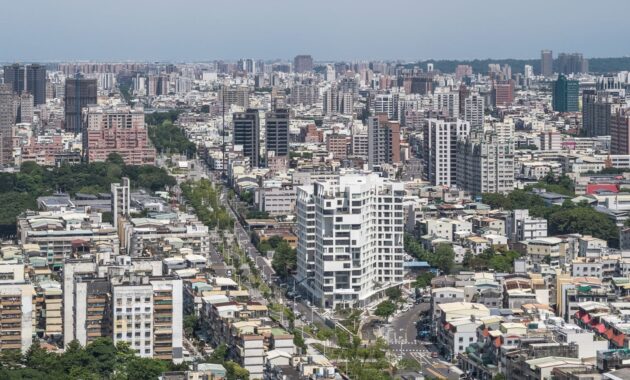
[{"x": 596, "y": 65}]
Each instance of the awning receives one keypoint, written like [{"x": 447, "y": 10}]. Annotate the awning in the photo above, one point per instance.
[{"x": 586, "y": 318}]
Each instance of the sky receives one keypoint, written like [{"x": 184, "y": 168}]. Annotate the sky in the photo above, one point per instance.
[{"x": 203, "y": 30}]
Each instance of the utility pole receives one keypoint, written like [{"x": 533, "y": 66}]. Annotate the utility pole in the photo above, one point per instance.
[{"x": 223, "y": 128}]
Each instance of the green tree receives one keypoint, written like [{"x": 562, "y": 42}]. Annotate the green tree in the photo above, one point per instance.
[
  {"x": 284, "y": 259},
  {"x": 394, "y": 294},
  {"x": 385, "y": 309},
  {"x": 443, "y": 258},
  {"x": 298, "y": 340},
  {"x": 145, "y": 368},
  {"x": 235, "y": 371},
  {"x": 586, "y": 221},
  {"x": 191, "y": 322},
  {"x": 423, "y": 280}
]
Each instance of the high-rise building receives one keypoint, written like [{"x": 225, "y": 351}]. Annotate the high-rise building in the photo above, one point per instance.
[
  {"x": 474, "y": 110},
  {"x": 304, "y": 94},
  {"x": 247, "y": 134},
  {"x": 7, "y": 120},
  {"x": 446, "y": 101},
  {"x": 302, "y": 63},
  {"x": 418, "y": 84},
  {"x": 121, "y": 199},
  {"x": 79, "y": 93},
  {"x": 528, "y": 71},
  {"x": 338, "y": 145},
  {"x": 565, "y": 95},
  {"x": 24, "y": 110},
  {"x": 440, "y": 145},
  {"x": 387, "y": 104},
  {"x": 331, "y": 75},
  {"x": 234, "y": 96},
  {"x": 336, "y": 100},
  {"x": 147, "y": 313},
  {"x": 16, "y": 303},
  {"x": 36, "y": 83},
  {"x": 485, "y": 163},
  {"x": 383, "y": 141},
  {"x": 573, "y": 63},
  {"x": 546, "y": 63},
  {"x": 347, "y": 254},
  {"x": 462, "y": 71},
  {"x": 277, "y": 132},
  {"x": 620, "y": 132},
  {"x": 15, "y": 75},
  {"x": 73, "y": 271},
  {"x": 503, "y": 93},
  {"x": 119, "y": 129},
  {"x": 30, "y": 78},
  {"x": 598, "y": 106}
]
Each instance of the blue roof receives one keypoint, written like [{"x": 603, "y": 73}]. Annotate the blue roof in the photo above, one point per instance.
[{"x": 416, "y": 264}]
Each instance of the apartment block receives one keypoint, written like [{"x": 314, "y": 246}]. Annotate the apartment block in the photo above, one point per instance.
[
  {"x": 383, "y": 141},
  {"x": 440, "y": 147},
  {"x": 119, "y": 129},
  {"x": 485, "y": 163},
  {"x": 147, "y": 313},
  {"x": 350, "y": 246}
]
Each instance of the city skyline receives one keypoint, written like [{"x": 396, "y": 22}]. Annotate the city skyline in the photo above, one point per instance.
[{"x": 280, "y": 29}]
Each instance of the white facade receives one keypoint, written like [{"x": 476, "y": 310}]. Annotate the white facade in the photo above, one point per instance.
[
  {"x": 521, "y": 226},
  {"x": 473, "y": 110},
  {"x": 440, "y": 142},
  {"x": 148, "y": 315},
  {"x": 276, "y": 200},
  {"x": 485, "y": 163},
  {"x": 350, "y": 239},
  {"x": 446, "y": 100}
]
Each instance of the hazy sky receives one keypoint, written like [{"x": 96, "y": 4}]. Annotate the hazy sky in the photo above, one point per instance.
[{"x": 187, "y": 30}]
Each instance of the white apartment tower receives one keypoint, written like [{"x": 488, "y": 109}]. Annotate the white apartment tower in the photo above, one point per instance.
[
  {"x": 446, "y": 100},
  {"x": 485, "y": 163},
  {"x": 473, "y": 110},
  {"x": 16, "y": 304},
  {"x": 147, "y": 313},
  {"x": 350, "y": 239},
  {"x": 440, "y": 146}
]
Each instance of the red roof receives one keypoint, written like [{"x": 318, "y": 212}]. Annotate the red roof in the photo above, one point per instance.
[
  {"x": 592, "y": 188},
  {"x": 579, "y": 314},
  {"x": 618, "y": 340},
  {"x": 600, "y": 328},
  {"x": 609, "y": 334},
  {"x": 586, "y": 318}
]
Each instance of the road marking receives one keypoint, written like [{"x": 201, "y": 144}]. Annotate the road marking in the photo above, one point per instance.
[{"x": 435, "y": 373}]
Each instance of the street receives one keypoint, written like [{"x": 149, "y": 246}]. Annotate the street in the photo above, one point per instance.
[{"x": 401, "y": 335}]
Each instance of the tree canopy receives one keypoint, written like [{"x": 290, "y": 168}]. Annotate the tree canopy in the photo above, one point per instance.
[
  {"x": 385, "y": 309},
  {"x": 204, "y": 197},
  {"x": 98, "y": 360},
  {"x": 491, "y": 259},
  {"x": 169, "y": 138},
  {"x": 284, "y": 259},
  {"x": 19, "y": 191},
  {"x": 569, "y": 218}
]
